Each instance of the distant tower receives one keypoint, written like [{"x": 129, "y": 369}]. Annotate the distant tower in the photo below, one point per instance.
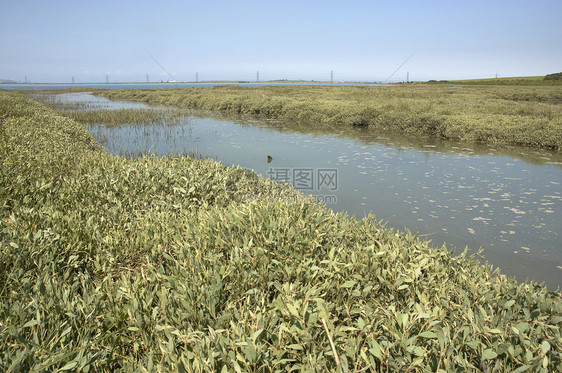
[
  {"x": 26, "y": 78},
  {"x": 106, "y": 78},
  {"x": 332, "y": 76},
  {"x": 147, "y": 77},
  {"x": 72, "y": 80},
  {"x": 258, "y": 76},
  {"x": 196, "y": 77}
]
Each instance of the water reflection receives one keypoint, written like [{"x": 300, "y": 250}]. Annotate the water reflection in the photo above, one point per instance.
[
  {"x": 368, "y": 136},
  {"x": 84, "y": 101}
]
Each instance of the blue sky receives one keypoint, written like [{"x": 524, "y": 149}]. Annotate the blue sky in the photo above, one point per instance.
[{"x": 53, "y": 41}]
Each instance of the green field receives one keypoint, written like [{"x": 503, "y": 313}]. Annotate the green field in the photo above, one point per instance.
[
  {"x": 178, "y": 264},
  {"x": 520, "y": 115}
]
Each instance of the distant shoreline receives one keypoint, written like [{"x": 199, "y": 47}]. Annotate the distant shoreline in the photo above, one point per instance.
[
  {"x": 514, "y": 80},
  {"x": 311, "y": 82}
]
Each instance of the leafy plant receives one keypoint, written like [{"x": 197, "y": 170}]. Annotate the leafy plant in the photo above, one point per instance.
[{"x": 181, "y": 264}]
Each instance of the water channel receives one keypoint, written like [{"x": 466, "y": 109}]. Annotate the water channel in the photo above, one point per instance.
[{"x": 507, "y": 200}]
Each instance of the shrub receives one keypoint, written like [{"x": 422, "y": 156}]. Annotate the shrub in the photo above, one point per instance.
[{"x": 555, "y": 76}]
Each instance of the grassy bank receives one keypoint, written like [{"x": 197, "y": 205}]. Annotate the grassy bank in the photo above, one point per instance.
[
  {"x": 529, "y": 116},
  {"x": 178, "y": 264}
]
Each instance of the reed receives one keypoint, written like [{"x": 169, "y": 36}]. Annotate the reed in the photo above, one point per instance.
[{"x": 119, "y": 117}]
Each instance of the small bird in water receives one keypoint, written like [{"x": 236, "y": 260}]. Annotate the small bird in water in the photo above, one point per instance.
[{"x": 269, "y": 159}]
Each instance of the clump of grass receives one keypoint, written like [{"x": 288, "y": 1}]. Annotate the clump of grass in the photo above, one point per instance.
[
  {"x": 530, "y": 116},
  {"x": 180, "y": 264},
  {"x": 120, "y": 117}
]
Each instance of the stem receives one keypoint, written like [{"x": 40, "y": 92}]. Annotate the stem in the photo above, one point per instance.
[{"x": 336, "y": 357}]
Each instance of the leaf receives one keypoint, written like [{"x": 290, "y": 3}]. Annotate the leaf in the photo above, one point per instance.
[
  {"x": 522, "y": 368},
  {"x": 72, "y": 258},
  {"x": 376, "y": 350},
  {"x": 361, "y": 323},
  {"x": 42, "y": 288},
  {"x": 256, "y": 334},
  {"x": 30, "y": 323},
  {"x": 348, "y": 284},
  {"x": 418, "y": 351},
  {"x": 251, "y": 353},
  {"x": 237, "y": 367},
  {"x": 295, "y": 347},
  {"x": 69, "y": 366},
  {"x": 521, "y": 327},
  {"x": 488, "y": 354},
  {"x": 509, "y": 303},
  {"x": 293, "y": 310},
  {"x": 347, "y": 329},
  {"x": 66, "y": 331},
  {"x": 545, "y": 346},
  {"x": 428, "y": 335}
]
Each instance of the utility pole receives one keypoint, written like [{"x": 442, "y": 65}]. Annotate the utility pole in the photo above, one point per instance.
[
  {"x": 332, "y": 76},
  {"x": 408, "y": 77},
  {"x": 258, "y": 76}
]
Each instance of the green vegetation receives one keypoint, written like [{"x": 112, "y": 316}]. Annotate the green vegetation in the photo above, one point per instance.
[
  {"x": 180, "y": 264},
  {"x": 126, "y": 116},
  {"x": 555, "y": 76},
  {"x": 507, "y": 81},
  {"x": 530, "y": 116}
]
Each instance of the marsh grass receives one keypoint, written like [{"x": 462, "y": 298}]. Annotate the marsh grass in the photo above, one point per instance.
[
  {"x": 178, "y": 264},
  {"x": 530, "y": 116},
  {"x": 92, "y": 113},
  {"x": 118, "y": 117}
]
